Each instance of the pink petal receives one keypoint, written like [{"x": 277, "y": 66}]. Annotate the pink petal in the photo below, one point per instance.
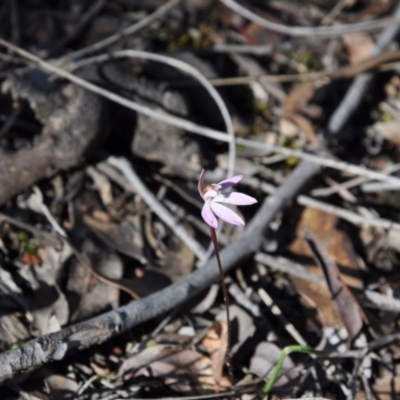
[
  {"x": 236, "y": 198},
  {"x": 200, "y": 184},
  {"x": 208, "y": 216},
  {"x": 227, "y": 183},
  {"x": 226, "y": 214}
]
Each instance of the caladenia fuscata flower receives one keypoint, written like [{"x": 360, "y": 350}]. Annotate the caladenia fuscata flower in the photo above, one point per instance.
[{"x": 216, "y": 195}]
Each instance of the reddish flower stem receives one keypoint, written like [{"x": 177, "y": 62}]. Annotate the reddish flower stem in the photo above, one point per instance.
[{"x": 226, "y": 301}]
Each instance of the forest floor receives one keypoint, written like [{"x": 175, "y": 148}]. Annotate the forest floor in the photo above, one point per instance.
[{"x": 109, "y": 284}]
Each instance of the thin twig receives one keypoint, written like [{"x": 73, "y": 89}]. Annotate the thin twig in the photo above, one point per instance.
[
  {"x": 336, "y": 10},
  {"x": 347, "y": 215},
  {"x": 300, "y": 31},
  {"x": 260, "y": 50},
  {"x": 85, "y": 19},
  {"x": 130, "y": 30},
  {"x": 374, "y": 62},
  {"x": 178, "y": 190},
  {"x": 138, "y": 186}
]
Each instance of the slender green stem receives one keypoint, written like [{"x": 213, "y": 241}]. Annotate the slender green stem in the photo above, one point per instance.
[
  {"x": 226, "y": 301},
  {"x": 285, "y": 352}
]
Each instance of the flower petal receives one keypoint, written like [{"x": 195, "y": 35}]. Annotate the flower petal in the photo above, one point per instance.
[
  {"x": 226, "y": 214},
  {"x": 227, "y": 183},
  {"x": 200, "y": 184},
  {"x": 208, "y": 216},
  {"x": 236, "y": 198}
]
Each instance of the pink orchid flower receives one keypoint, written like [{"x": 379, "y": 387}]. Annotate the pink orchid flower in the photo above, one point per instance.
[{"x": 215, "y": 194}]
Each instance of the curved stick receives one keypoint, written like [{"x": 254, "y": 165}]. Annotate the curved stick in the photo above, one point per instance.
[{"x": 305, "y": 31}]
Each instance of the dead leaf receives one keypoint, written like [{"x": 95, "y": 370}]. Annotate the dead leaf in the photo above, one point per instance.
[
  {"x": 31, "y": 259},
  {"x": 387, "y": 388},
  {"x": 346, "y": 305},
  {"x": 297, "y": 110},
  {"x": 256, "y": 34},
  {"x": 339, "y": 246},
  {"x": 50, "y": 310},
  {"x": 145, "y": 357},
  {"x": 390, "y": 131},
  {"x": 179, "y": 260},
  {"x": 103, "y": 185},
  {"x": 61, "y": 386},
  {"x": 359, "y": 46},
  {"x": 184, "y": 370},
  {"x": 242, "y": 321},
  {"x": 215, "y": 341}
]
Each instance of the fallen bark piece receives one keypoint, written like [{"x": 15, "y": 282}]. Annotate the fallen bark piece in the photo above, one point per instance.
[{"x": 71, "y": 118}]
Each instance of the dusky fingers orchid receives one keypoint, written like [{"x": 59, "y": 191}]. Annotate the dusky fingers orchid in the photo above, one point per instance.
[{"x": 215, "y": 194}]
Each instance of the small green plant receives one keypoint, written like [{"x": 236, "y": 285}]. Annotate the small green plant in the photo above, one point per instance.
[{"x": 285, "y": 352}]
